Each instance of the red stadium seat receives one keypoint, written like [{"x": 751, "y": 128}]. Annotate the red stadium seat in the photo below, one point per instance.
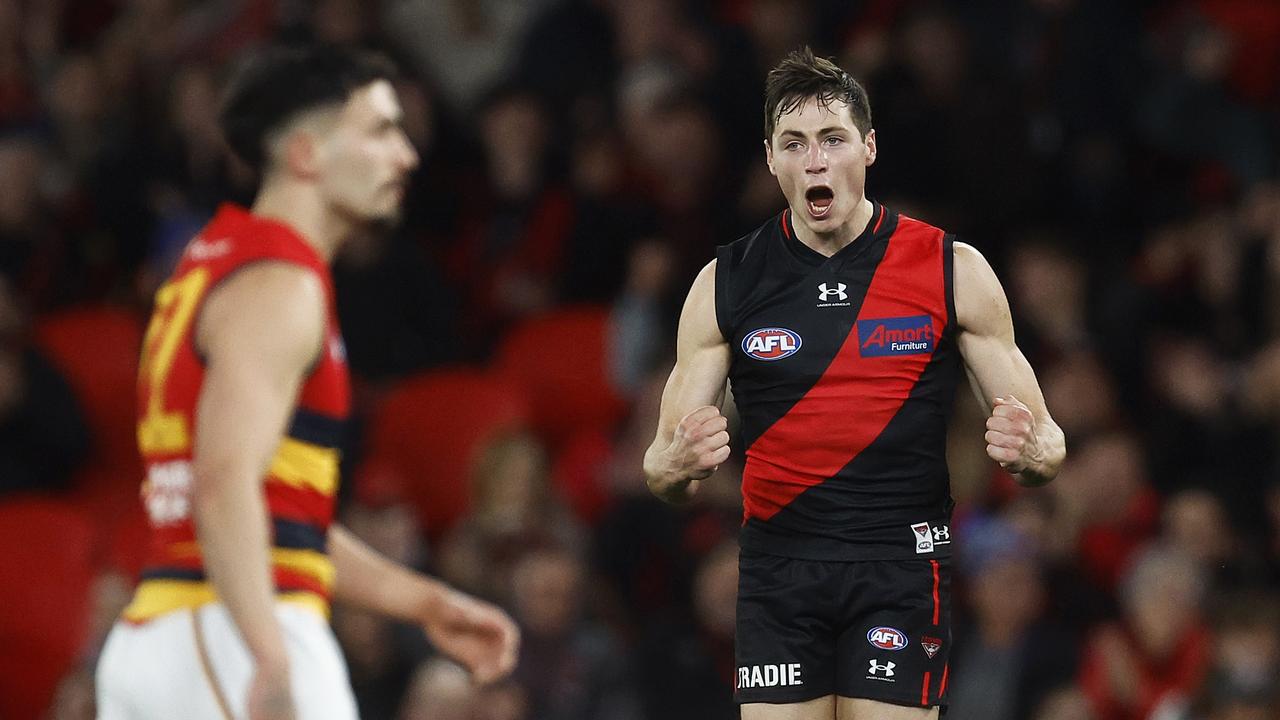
[
  {"x": 561, "y": 359},
  {"x": 97, "y": 350},
  {"x": 428, "y": 431},
  {"x": 46, "y": 571}
]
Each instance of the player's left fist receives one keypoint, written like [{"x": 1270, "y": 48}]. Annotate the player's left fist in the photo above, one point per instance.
[{"x": 1011, "y": 438}]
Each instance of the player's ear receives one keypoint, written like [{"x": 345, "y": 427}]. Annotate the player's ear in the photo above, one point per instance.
[
  {"x": 299, "y": 151},
  {"x": 870, "y": 141},
  {"x": 768, "y": 156}
]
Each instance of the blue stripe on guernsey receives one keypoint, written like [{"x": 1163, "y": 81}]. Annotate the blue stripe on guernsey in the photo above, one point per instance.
[
  {"x": 298, "y": 536},
  {"x": 312, "y": 427},
  {"x": 164, "y": 573}
]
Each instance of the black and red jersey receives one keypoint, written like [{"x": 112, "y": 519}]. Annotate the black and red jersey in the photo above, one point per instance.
[{"x": 844, "y": 371}]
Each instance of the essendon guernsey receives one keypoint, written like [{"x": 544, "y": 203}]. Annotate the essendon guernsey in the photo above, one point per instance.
[
  {"x": 303, "y": 476},
  {"x": 844, "y": 370}
]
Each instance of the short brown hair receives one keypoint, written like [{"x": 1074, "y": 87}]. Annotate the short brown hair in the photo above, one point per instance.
[
  {"x": 801, "y": 76},
  {"x": 273, "y": 86}
]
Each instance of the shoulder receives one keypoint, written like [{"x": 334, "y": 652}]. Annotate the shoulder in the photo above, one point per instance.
[
  {"x": 699, "y": 320},
  {"x": 271, "y": 297},
  {"x": 979, "y": 298},
  {"x": 972, "y": 266},
  {"x": 280, "y": 282},
  {"x": 703, "y": 288}
]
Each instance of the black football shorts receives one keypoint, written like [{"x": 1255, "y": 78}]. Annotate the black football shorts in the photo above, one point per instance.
[{"x": 869, "y": 629}]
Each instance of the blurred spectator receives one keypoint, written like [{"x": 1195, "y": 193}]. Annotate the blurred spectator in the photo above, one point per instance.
[
  {"x": 1197, "y": 526},
  {"x": 1007, "y": 658},
  {"x": 1067, "y": 704},
  {"x": 43, "y": 433},
  {"x": 1244, "y": 679},
  {"x": 571, "y": 669},
  {"x": 515, "y": 219},
  {"x": 1047, "y": 286},
  {"x": 639, "y": 333},
  {"x": 687, "y": 665},
  {"x": 1158, "y": 654},
  {"x": 381, "y": 657},
  {"x": 1106, "y": 504},
  {"x": 466, "y": 47},
  {"x": 1082, "y": 395},
  {"x": 398, "y": 315},
  {"x": 1190, "y": 92},
  {"x": 440, "y": 690},
  {"x": 513, "y": 509}
]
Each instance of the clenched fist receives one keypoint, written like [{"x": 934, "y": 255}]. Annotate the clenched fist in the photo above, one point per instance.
[
  {"x": 1011, "y": 438},
  {"x": 698, "y": 446}
]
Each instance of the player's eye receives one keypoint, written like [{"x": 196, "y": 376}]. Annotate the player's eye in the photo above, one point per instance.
[
  {"x": 834, "y": 140},
  {"x": 793, "y": 145}
]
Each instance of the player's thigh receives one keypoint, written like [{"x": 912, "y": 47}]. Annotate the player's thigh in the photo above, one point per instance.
[
  {"x": 864, "y": 709},
  {"x": 895, "y": 642},
  {"x": 784, "y": 641},
  {"x": 823, "y": 708},
  {"x": 152, "y": 670}
]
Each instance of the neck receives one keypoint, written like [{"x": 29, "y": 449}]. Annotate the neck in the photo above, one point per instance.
[
  {"x": 302, "y": 209},
  {"x": 830, "y": 243}
]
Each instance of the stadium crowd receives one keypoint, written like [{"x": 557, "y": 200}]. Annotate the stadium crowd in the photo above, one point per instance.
[{"x": 1117, "y": 162}]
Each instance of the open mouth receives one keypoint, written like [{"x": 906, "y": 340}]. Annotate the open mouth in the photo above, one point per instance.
[{"x": 819, "y": 200}]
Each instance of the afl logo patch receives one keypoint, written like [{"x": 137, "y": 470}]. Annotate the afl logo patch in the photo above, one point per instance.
[
  {"x": 771, "y": 343},
  {"x": 887, "y": 638}
]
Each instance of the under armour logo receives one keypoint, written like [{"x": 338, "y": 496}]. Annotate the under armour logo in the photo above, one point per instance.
[
  {"x": 886, "y": 668},
  {"x": 825, "y": 292},
  {"x": 941, "y": 533}
]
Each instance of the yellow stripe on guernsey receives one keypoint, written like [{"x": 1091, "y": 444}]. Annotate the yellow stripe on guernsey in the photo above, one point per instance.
[
  {"x": 304, "y": 465},
  {"x": 155, "y": 597}
]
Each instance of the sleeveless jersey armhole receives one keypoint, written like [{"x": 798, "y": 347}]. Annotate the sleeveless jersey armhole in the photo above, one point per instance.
[
  {"x": 948, "y": 280},
  {"x": 724, "y": 308}
]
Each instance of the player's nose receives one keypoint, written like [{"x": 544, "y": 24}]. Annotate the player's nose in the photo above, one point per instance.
[
  {"x": 408, "y": 155},
  {"x": 816, "y": 160}
]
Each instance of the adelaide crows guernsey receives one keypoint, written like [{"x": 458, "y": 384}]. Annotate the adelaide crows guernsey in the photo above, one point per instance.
[
  {"x": 844, "y": 371},
  {"x": 302, "y": 479}
]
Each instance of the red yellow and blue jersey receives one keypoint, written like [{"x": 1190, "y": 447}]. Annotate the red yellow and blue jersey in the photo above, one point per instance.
[{"x": 302, "y": 480}]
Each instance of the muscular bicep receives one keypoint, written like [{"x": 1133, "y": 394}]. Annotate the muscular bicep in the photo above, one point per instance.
[
  {"x": 259, "y": 333},
  {"x": 993, "y": 362},
  {"x": 702, "y": 358}
]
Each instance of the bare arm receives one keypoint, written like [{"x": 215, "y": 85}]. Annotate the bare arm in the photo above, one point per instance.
[
  {"x": 259, "y": 331},
  {"x": 480, "y": 636},
  {"x": 692, "y": 438},
  {"x": 1021, "y": 435}
]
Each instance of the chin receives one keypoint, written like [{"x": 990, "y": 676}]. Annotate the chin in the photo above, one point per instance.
[{"x": 383, "y": 214}]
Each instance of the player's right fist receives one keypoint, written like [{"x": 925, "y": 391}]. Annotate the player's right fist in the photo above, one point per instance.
[{"x": 700, "y": 443}]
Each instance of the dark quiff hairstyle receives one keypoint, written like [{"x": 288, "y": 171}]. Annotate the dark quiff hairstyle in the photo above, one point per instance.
[
  {"x": 277, "y": 84},
  {"x": 801, "y": 76}
]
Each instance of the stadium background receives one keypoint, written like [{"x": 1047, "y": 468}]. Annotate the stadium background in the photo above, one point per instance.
[{"x": 1116, "y": 162}]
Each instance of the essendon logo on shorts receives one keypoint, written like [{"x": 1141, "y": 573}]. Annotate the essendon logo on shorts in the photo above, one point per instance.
[
  {"x": 758, "y": 676},
  {"x": 896, "y": 336},
  {"x": 771, "y": 343},
  {"x": 931, "y": 645}
]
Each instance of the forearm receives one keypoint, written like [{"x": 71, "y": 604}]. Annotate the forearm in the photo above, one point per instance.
[
  {"x": 231, "y": 524},
  {"x": 367, "y": 580}
]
